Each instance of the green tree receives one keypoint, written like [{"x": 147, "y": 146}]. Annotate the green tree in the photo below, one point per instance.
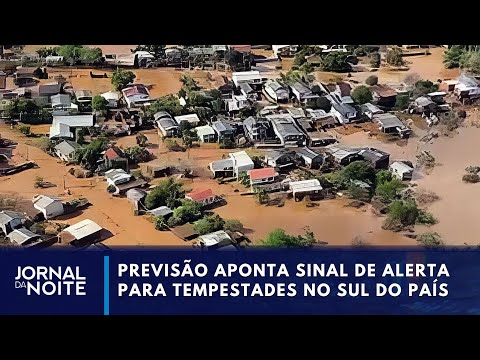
[
  {"x": 168, "y": 103},
  {"x": 388, "y": 191},
  {"x": 81, "y": 53},
  {"x": 359, "y": 193},
  {"x": 452, "y": 56},
  {"x": 188, "y": 211},
  {"x": 233, "y": 225},
  {"x": 24, "y": 129},
  {"x": 21, "y": 106},
  {"x": 262, "y": 196},
  {"x": 375, "y": 60},
  {"x": 430, "y": 240},
  {"x": 88, "y": 155},
  {"x": 244, "y": 179},
  {"x": 423, "y": 87},
  {"x": 372, "y": 80},
  {"x": 167, "y": 193},
  {"x": 426, "y": 218},
  {"x": 121, "y": 78},
  {"x": 404, "y": 212},
  {"x": 362, "y": 94},
  {"x": 43, "y": 143},
  {"x": 208, "y": 224},
  {"x": 402, "y": 101},
  {"x": 137, "y": 154},
  {"x": 160, "y": 223},
  {"x": 99, "y": 103},
  {"x": 44, "y": 51},
  {"x": 189, "y": 136},
  {"x": 279, "y": 238},
  {"x": 394, "y": 57},
  {"x": 189, "y": 84},
  {"x": 358, "y": 170},
  {"x": 383, "y": 176},
  {"x": 472, "y": 62},
  {"x": 336, "y": 62}
]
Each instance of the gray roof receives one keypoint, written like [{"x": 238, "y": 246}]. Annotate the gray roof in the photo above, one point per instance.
[
  {"x": 42, "y": 201},
  {"x": 224, "y": 164},
  {"x": 161, "y": 211},
  {"x": 22, "y": 235},
  {"x": 61, "y": 99},
  {"x": 307, "y": 153},
  {"x": 423, "y": 101},
  {"x": 253, "y": 122},
  {"x": 275, "y": 85},
  {"x": 6, "y": 216},
  {"x": 221, "y": 126},
  {"x": 67, "y": 147},
  {"x": 343, "y": 109},
  {"x": 245, "y": 87},
  {"x": 83, "y": 93},
  {"x": 373, "y": 155},
  {"x": 48, "y": 89},
  {"x": 167, "y": 123},
  {"x": 300, "y": 88},
  {"x": 284, "y": 124},
  {"x": 277, "y": 154},
  {"x": 388, "y": 120},
  {"x": 296, "y": 112},
  {"x": 74, "y": 120},
  {"x": 161, "y": 114},
  {"x": 370, "y": 107},
  {"x": 340, "y": 152},
  {"x": 136, "y": 194}
]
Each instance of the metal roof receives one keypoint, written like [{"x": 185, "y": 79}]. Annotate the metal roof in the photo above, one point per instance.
[
  {"x": 401, "y": 166},
  {"x": 21, "y": 236},
  {"x": 221, "y": 126},
  {"x": 245, "y": 76},
  {"x": 284, "y": 124},
  {"x": 388, "y": 120},
  {"x": 307, "y": 153},
  {"x": 256, "y": 174},
  {"x": 161, "y": 211},
  {"x": 224, "y": 164},
  {"x": 241, "y": 158},
  {"x": 167, "y": 123},
  {"x": 343, "y": 109},
  {"x": 247, "y": 89},
  {"x": 191, "y": 118},
  {"x": 61, "y": 99},
  {"x": 296, "y": 112},
  {"x": 42, "y": 201},
  {"x": 118, "y": 176},
  {"x": 300, "y": 88},
  {"x": 372, "y": 108},
  {"x": 83, "y": 93},
  {"x": 83, "y": 120},
  {"x": 67, "y": 147},
  {"x": 204, "y": 130},
  {"x": 162, "y": 114},
  {"x": 199, "y": 195},
  {"x": 275, "y": 85},
  {"x": 305, "y": 185},
  {"x": 83, "y": 229},
  {"x": 49, "y": 89},
  {"x": 372, "y": 154},
  {"x": 6, "y": 216},
  {"x": 60, "y": 130},
  {"x": 215, "y": 238},
  {"x": 423, "y": 101}
]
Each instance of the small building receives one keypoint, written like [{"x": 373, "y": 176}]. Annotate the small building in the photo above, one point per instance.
[
  {"x": 343, "y": 155},
  {"x": 23, "y": 237},
  {"x": 305, "y": 187},
  {"x": 241, "y": 162},
  {"x": 390, "y": 124},
  {"x": 383, "y": 95},
  {"x": 303, "y": 94},
  {"x": 369, "y": 110},
  {"x": 402, "y": 170},
  {"x": 221, "y": 168},
  {"x": 66, "y": 150},
  {"x": 62, "y": 102},
  {"x": 167, "y": 126},
  {"x": 262, "y": 176},
  {"x": 377, "y": 158},
  {"x": 255, "y": 129},
  {"x": 309, "y": 158},
  {"x": 448, "y": 85},
  {"x": 438, "y": 97},
  {"x": 284, "y": 50},
  {"x": 344, "y": 113},
  {"x": 117, "y": 176},
  {"x": 224, "y": 130},
  {"x": 276, "y": 92},
  {"x": 136, "y": 95},
  {"x": 192, "y": 119},
  {"x": 249, "y": 77},
  {"x": 202, "y": 196},
  {"x": 66, "y": 126},
  {"x": 49, "y": 206},
  {"x": 135, "y": 197},
  {"x": 29, "y": 72},
  {"x": 49, "y": 89},
  {"x": 215, "y": 240},
  {"x": 163, "y": 211},
  {"x": 112, "y": 97},
  {"x": 206, "y": 134},
  {"x": 80, "y": 234},
  {"x": 320, "y": 119},
  {"x": 287, "y": 130},
  {"x": 114, "y": 158},
  {"x": 10, "y": 220},
  {"x": 54, "y": 60},
  {"x": 315, "y": 139},
  {"x": 296, "y": 112},
  {"x": 467, "y": 87},
  {"x": 423, "y": 104},
  {"x": 236, "y": 103},
  {"x": 280, "y": 159},
  {"x": 84, "y": 96}
]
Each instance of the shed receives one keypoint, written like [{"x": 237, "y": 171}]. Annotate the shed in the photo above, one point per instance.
[
  {"x": 81, "y": 233},
  {"x": 370, "y": 110},
  {"x": 49, "y": 89},
  {"x": 309, "y": 158},
  {"x": 384, "y": 95},
  {"x": 190, "y": 118},
  {"x": 389, "y": 123},
  {"x": 136, "y": 196},
  {"x": 281, "y": 159},
  {"x": 402, "y": 170},
  {"x": 23, "y": 237},
  {"x": 246, "y": 76},
  {"x": 305, "y": 187},
  {"x": 164, "y": 211},
  {"x": 378, "y": 158},
  {"x": 117, "y": 176},
  {"x": 10, "y": 220},
  {"x": 343, "y": 155},
  {"x": 66, "y": 150},
  {"x": 241, "y": 162},
  {"x": 206, "y": 134},
  {"x": 221, "y": 168},
  {"x": 276, "y": 91},
  {"x": 61, "y": 101},
  {"x": 215, "y": 240},
  {"x": 50, "y": 207}
]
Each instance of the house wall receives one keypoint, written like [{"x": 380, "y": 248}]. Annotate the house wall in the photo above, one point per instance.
[
  {"x": 52, "y": 210},
  {"x": 10, "y": 226},
  {"x": 262, "y": 181}
]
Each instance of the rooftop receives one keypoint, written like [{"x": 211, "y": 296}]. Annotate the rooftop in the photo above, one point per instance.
[
  {"x": 383, "y": 90},
  {"x": 215, "y": 238},
  {"x": 284, "y": 124},
  {"x": 305, "y": 185},
  {"x": 82, "y": 229},
  {"x": 42, "y": 201},
  {"x": 401, "y": 166},
  {"x": 388, "y": 120},
  {"x": 257, "y": 174},
  {"x": 306, "y": 152},
  {"x": 66, "y": 147},
  {"x": 199, "y": 195},
  {"x": 162, "y": 114},
  {"x": 275, "y": 85},
  {"x": 161, "y": 211},
  {"x": 81, "y": 120},
  {"x": 191, "y": 118},
  {"x": 221, "y": 126},
  {"x": 204, "y": 130},
  {"x": 166, "y": 123},
  {"x": 241, "y": 158},
  {"x": 224, "y": 164},
  {"x": 373, "y": 154},
  {"x": 21, "y": 236},
  {"x": 6, "y": 216},
  {"x": 113, "y": 153}
]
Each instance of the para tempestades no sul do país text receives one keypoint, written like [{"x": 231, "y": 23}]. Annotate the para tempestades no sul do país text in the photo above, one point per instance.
[{"x": 307, "y": 280}]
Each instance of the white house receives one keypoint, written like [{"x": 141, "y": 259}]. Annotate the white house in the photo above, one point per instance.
[
  {"x": 66, "y": 150},
  {"x": 117, "y": 177},
  {"x": 112, "y": 97},
  {"x": 23, "y": 237},
  {"x": 206, "y": 134},
  {"x": 192, "y": 119},
  {"x": 62, "y": 125},
  {"x": 80, "y": 233},
  {"x": 305, "y": 187},
  {"x": 246, "y": 77},
  {"x": 401, "y": 170},
  {"x": 241, "y": 162},
  {"x": 50, "y": 207},
  {"x": 9, "y": 220},
  {"x": 216, "y": 239}
]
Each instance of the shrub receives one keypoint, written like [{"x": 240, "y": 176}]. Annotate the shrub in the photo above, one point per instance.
[
  {"x": 43, "y": 143},
  {"x": 473, "y": 169},
  {"x": 471, "y": 178},
  {"x": 38, "y": 181},
  {"x": 167, "y": 193},
  {"x": 24, "y": 129},
  {"x": 358, "y": 193},
  {"x": 452, "y": 56},
  {"x": 189, "y": 211},
  {"x": 160, "y": 223},
  {"x": 372, "y": 80},
  {"x": 394, "y": 57},
  {"x": 172, "y": 145},
  {"x": 375, "y": 60},
  {"x": 121, "y": 78},
  {"x": 111, "y": 188},
  {"x": 389, "y": 190},
  {"x": 227, "y": 144},
  {"x": 430, "y": 239},
  {"x": 208, "y": 224},
  {"x": 401, "y": 102},
  {"x": 401, "y": 212},
  {"x": 279, "y": 238},
  {"x": 362, "y": 94},
  {"x": 174, "y": 221},
  {"x": 233, "y": 225},
  {"x": 426, "y": 218},
  {"x": 137, "y": 154},
  {"x": 99, "y": 103},
  {"x": 360, "y": 51}
]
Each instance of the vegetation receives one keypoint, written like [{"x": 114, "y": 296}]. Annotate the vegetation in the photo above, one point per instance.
[
  {"x": 227, "y": 144},
  {"x": 402, "y": 101},
  {"x": 360, "y": 51},
  {"x": 38, "y": 182},
  {"x": 43, "y": 143},
  {"x": 402, "y": 213},
  {"x": 167, "y": 193},
  {"x": 24, "y": 129},
  {"x": 172, "y": 145},
  {"x": 27, "y": 111},
  {"x": 121, "y": 78},
  {"x": 389, "y": 190},
  {"x": 99, "y": 103},
  {"x": 362, "y": 94},
  {"x": 423, "y": 87},
  {"x": 359, "y": 241},
  {"x": 88, "y": 155},
  {"x": 189, "y": 136},
  {"x": 44, "y": 51},
  {"x": 262, "y": 196},
  {"x": 375, "y": 60},
  {"x": 156, "y": 50},
  {"x": 233, "y": 225},
  {"x": 452, "y": 56},
  {"x": 244, "y": 179},
  {"x": 411, "y": 79},
  {"x": 279, "y": 238},
  {"x": 359, "y": 193},
  {"x": 137, "y": 154},
  {"x": 450, "y": 121},
  {"x": 160, "y": 223},
  {"x": 425, "y": 197},
  {"x": 168, "y": 103},
  {"x": 426, "y": 218},
  {"x": 394, "y": 57},
  {"x": 358, "y": 170},
  {"x": 383, "y": 176},
  {"x": 430, "y": 240},
  {"x": 188, "y": 211},
  {"x": 372, "y": 80},
  {"x": 472, "y": 169},
  {"x": 141, "y": 139},
  {"x": 208, "y": 224},
  {"x": 79, "y": 53},
  {"x": 336, "y": 62},
  {"x": 471, "y": 178}
]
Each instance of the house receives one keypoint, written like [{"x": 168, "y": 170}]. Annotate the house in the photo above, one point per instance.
[
  {"x": 221, "y": 168},
  {"x": 166, "y": 125},
  {"x": 438, "y": 97},
  {"x": 247, "y": 91},
  {"x": 344, "y": 113},
  {"x": 369, "y": 110},
  {"x": 114, "y": 158},
  {"x": 309, "y": 158},
  {"x": 383, "y": 95},
  {"x": 236, "y": 103},
  {"x": 305, "y": 187},
  {"x": 448, "y": 85},
  {"x": 320, "y": 119},
  {"x": 117, "y": 176},
  {"x": 10, "y": 220},
  {"x": 287, "y": 130},
  {"x": 296, "y": 112},
  {"x": 423, "y": 104},
  {"x": 303, "y": 94},
  {"x": 467, "y": 87},
  {"x": 135, "y": 197},
  {"x": 49, "y": 206},
  {"x": 256, "y": 129},
  {"x": 29, "y": 72},
  {"x": 49, "y": 89},
  {"x": 206, "y": 134},
  {"x": 240, "y": 48},
  {"x": 163, "y": 211},
  {"x": 192, "y": 119},
  {"x": 84, "y": 97},
  {"x": 262, "y": 176},
  {"x": 318, "y": 138},
  {"x": 215, "y": 240},
  {"x": 62, "y": 102},
  {"x": 23, "y": 237},
  {"x": 378, "y": 158},
  {"x": 136, "y": 95},
  {"x": 284, "y": 50},
  {"x": 202, "y": 196},
  {"x": 223, "y": 130},
  {"x": 241, "y": 162},
  {"x": 252, "y": 78},
  {"x": 66, "y": 126},
  {"x": 112, "y": 97},
  {"x": 390, "y": 124},
  {"x": 3, "y": 80},
  {"x": 276, "y": 92},
  {"x": 402, "y": 170},
  {"x": 80, "y": 234},
  {"x": 66, "y": 150},
  {"x": 341, "y": 89},
  {"x": 280, "y": 159},
  {"x": 343, "y": 155}
]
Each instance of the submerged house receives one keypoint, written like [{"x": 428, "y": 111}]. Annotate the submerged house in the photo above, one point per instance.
[
  {"x": 344, "y": 113},
  {"x": 262, "y": 176},
  {"x": 390, "y": 124},
  {"x": 320, "y": 118},
  {"x": 299, "y": 189},
  {"x": 67, "y": 126},
  {"x": 119, "y": 181},
  {"x": 192, "y": 119},
  {"x": 215, "y": 240},
  {"x": 202, "y": 196},
  {"x": 467, "y": 87},
  {"x": 303, "y": 94},
  {"x": 224, "y": 130},
  {"x": 113, "y": 158},
  {"x": 276, "y": 92},
  {"x": 402, "y": 170},
  {"x": 241, "y": 162},
  {"x": 66, "y": 150},
  {"x": 166, "y": 125},
  {"x": 280, "y": 159},
  {"x": 377, "y": 158},
  {"x": 256, "y": 129},
  {"x": 84, "y": 97},
  {"x": 24, "y": 237},
  {"x": 136, "y": 197},
  {"x": 369, "y": 110},
  {"x": 11, "y": 220},
  {"x": 309, "y": 158},
  {"x": 136, "y": 95},
  {"x": 343, "y": 155},
  {"x": 80, "y": 234},
  {"x": 222, "y": 168},
  {"x": 206, "y": 134},
  {"x": 287, "y": 130},
  {"x": 383, "y": 95},
  {"x": 50, "y": 207}
]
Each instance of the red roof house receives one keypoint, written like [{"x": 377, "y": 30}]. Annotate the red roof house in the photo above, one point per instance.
[
  {"x": 265, "y": 175},
  {"x": 203, "y": 196}
]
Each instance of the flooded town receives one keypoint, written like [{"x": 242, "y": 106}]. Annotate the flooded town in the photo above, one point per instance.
[{"x": 227, "y": 146}]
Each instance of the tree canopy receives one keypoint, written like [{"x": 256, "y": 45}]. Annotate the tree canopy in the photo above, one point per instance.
[
  {"x": 99, "y": 103},
  {"x": 167, "y": 193},
  {"x": 121, "y": 78},
  {"x": 88, "y": 155},
  {"x": 452, "y": 56},
  {"x": 279, "y": 238},
  {"x": 80, "y": 53},
  {"x": 375, "y": 60},
  {"x": 209, "y": 224},
  {"x": 168, "y": 103},
  {"x": 188, "y": 211},
  {"x": 362, "y": 94},
  {"x": 336, "y": 62},
  {"x": 137, "y": 154},
  {"x": 389, "y": 190},
  {"x": 394, "y": 57}
]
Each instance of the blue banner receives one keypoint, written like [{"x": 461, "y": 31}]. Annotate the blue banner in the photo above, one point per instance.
[{"x": 255, "y": 281}]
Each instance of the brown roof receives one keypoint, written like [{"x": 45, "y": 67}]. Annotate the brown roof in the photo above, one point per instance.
[
  {"x": 383, "y": 90},
  {"x": 27, "y": 70},
  {"x": 113, "y": 153}
]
